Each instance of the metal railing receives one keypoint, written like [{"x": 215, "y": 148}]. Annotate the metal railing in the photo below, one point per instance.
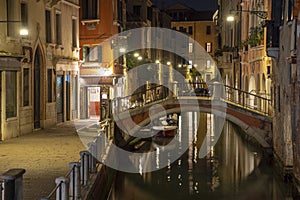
[
  {"x": 249, "y": 100},
  {"x": 140, "y": 98},
  {"x": 246, "y": 100},
  {"x": 78, "y": 178}
]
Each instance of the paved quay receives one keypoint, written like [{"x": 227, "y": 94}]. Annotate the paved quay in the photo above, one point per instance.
[{"x": 44, "y": 154}]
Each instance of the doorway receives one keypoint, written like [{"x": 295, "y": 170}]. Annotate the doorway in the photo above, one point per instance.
[
  {"x": 37, "y": 89},
  {"x": 60, "y": 98}
]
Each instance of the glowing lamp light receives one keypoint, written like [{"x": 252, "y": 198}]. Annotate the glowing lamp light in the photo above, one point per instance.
[
  {"x": 157, "y": 62},
  {"x": 230, "y": 18},
  {"x": 140, "y": 58},
  {"x": 23, "y": 32},
  {"x": 168, "y": 63},
  {"x": 122, "y": 50},
  {"x": 136, "y": 55}
]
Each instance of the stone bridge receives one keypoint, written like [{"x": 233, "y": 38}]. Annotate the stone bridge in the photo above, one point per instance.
[{"x": 256, "y": 124}]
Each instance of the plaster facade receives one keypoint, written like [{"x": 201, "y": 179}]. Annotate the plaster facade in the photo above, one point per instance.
[{"x": 29, "y": 98}]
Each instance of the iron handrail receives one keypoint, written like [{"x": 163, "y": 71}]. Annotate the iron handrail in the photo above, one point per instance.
[
  {"x": 54, "y": 190},
  {"x": 241, "y": 98}
]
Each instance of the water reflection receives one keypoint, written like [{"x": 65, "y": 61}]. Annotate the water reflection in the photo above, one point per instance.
[{"x": 231, "y": 169}]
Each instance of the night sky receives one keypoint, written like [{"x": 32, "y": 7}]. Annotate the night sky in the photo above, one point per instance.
[{"x": 196, "y": 4}]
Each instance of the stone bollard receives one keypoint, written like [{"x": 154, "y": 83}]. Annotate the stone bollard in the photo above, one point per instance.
[
  {"x": 92, "y": 160},
  {"x": 84, "y": 168},
  {"x": 12, "y": 184},
  {"x": 62, "y": 192},
  {"x": 75, "y": 188}
]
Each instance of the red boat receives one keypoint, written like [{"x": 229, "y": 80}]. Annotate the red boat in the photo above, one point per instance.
[{"x": 165, "y": 131}]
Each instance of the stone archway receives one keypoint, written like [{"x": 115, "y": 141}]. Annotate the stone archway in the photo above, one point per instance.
[
  {"x": 264, "y": 84},
  {"x": 258, "y": 84},
  {"x": 252, "y": 90}
]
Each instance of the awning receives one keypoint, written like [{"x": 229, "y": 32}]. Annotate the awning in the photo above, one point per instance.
[{"x": 10, "y": 64}]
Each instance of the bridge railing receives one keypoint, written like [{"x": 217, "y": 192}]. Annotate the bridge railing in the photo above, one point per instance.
[
  {"x": 248, "y": 100},
  {"x": 140, "y": 98},
  {"x": 242, "y": 98}
]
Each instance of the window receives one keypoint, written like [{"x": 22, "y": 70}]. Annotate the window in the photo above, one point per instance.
[
  {"x": 11, "y": 94},
  {"x": 208, "y": 64},
  {"x": 290, "y": 10},
  {"x": 85, "y": 53},
  {"x": 58, "y": 28},
  {"x": 120, "y": 11},
  {"x": 74, "y": 33},
  {"x": 208, "y": 30},
  {"x": 191, "y": 47},
  {"x": 24, "y": 14},
  {"x": 208, "y": 47},
  {"x": 149, "y": 13},
  {"x": 11, "y": 27},
  {"x": 137, "y": 10},
  {"x": 207, "y": 77},
  {"x": 25, "y": 87},
  {"x": 50, "y": 84},
  {"x": 180, "y": 16},
  {"x": 48, "y": 26},
  {"x": 190, "y": 30},
  {"x": 93, "y": 54},
  {"x": 89, "y": 9}
]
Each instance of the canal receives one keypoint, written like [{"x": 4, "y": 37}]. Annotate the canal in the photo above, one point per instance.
[{"x": 232, "y": 169}]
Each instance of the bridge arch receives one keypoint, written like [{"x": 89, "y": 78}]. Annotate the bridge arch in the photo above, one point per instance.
[{"x": 254, "y": 125}]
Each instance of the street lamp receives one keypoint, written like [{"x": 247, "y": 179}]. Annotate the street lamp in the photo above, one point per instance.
[{"x": 259, "y": 13}]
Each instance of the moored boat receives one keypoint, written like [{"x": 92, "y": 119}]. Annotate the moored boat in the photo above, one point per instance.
[{"x": 165, "y": 131}]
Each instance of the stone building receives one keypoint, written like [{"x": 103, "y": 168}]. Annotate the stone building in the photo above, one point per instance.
[
  {"x": 144, "y": 14},
  {"x": 282, "y": 47},
  {"x": 255, "y": 64},
  {"x": 242, "y": 52},
  {"x": 200, "y": 28},
  {"x": 38, "y": 70},
  {"x": 99, "y": 21}
]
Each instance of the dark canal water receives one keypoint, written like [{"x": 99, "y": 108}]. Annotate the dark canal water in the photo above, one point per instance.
[{"x": 233, "y": 169}]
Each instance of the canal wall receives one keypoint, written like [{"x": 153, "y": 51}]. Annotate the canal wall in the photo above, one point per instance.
[{"x": 101, "y": 184}]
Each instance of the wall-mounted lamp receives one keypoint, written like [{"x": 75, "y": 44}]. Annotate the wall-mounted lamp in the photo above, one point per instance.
[
  {"x": 23, "y": 31},
  {"x": 258, "y": 13}
]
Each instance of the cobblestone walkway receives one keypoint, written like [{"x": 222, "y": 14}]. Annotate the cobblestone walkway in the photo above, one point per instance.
[{"x": 44, "y": 154}]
